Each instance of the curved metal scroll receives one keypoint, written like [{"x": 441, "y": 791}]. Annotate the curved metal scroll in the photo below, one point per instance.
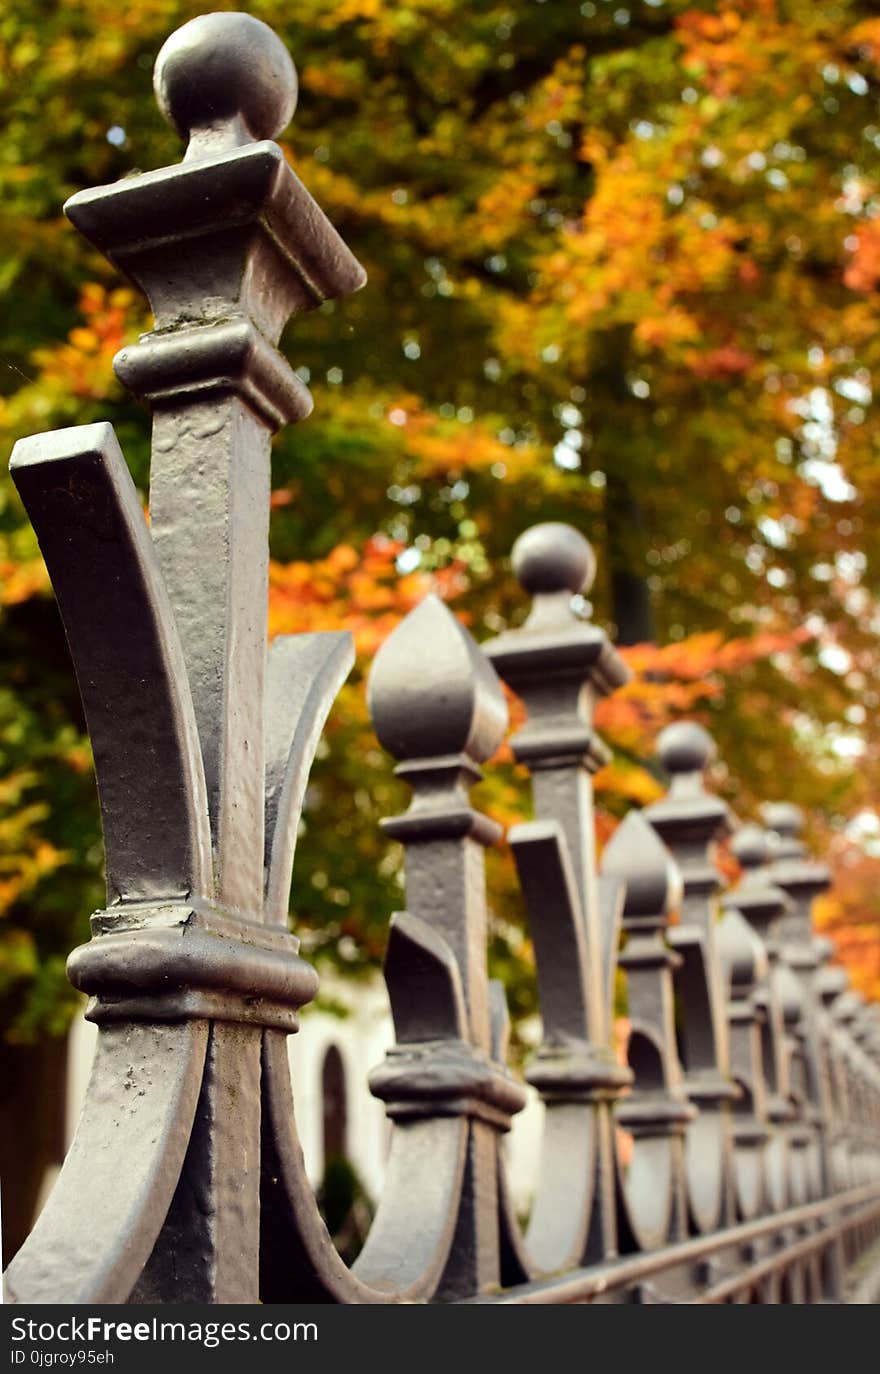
[
  {"x": 690, "y": 820},
  {"x": 85, "y": 510},
  {"x": 568, "y": 1070},
  {"x": 98, "y": 1228},
  {"x": 411, "y": 1234},
  {"x": 101, "y": 1220},
  {"x": 653, "y": 1196},
  {"x": 744, "y": 962},
  {"x": 761, "y": 903},
  {"x": 410, "y": 1237},
  {"x": 305, "y": 674}
]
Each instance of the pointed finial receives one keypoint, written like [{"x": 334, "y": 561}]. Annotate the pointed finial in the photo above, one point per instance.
[
  {"x": 638, "y": 857},
  {"x": 438, "y": 707},
  {"x": 224, "y": 80},
  {"x": 432, "y": 692}
]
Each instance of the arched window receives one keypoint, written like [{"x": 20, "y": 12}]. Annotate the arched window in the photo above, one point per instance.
[{"x": 334, "y": 1106}]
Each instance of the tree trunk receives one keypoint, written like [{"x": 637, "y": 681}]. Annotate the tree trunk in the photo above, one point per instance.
[{"x": 630, "y": 596}]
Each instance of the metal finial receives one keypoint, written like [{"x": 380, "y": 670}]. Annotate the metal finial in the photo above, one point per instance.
[
  {"x": 685, "y": 747},
  {"x": 553, "y": 557},
  {"x": 432, "y": 692},
  {"x": 227, "y": 247},
  {"x": 223, "y": 80},
  {"x": 641, "y": 860},
  {"x": 757, "y": 897},
  {"x": 689, "y": 819},
  {"x": 785, "y": 818},
  {"x": 750, "y": 846},
  {"x": 801, "y": 878}
]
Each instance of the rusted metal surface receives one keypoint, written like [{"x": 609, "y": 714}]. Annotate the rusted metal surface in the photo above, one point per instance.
[{"x": 733, "y": 1156}]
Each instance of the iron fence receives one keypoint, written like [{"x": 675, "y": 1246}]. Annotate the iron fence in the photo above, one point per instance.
[{"x": 732, "y": 1157}]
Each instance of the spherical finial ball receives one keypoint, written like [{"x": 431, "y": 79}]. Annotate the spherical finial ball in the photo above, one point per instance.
[
  {"x": 553, "y": 558},
  {"x": 685, "y": 747},
  {"x": 222, "y": 65},
  {"x": 785, "y": 818},
  {"x": 750, "y": 846}
]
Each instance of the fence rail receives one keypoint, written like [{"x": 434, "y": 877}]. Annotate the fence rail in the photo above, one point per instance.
[{"x": 732, "y": 1157}]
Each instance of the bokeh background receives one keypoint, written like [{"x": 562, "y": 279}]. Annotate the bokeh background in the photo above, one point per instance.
[{"x": 623, "y": 261}]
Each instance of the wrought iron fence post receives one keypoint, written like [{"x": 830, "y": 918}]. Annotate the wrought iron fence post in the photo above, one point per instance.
[
  {"x": 561, "y": 666},
  {"x": 853, "y": 1014},
  {"x": 803, "y": 880},
  {"x": 762, "y": 903},
  {"x": 744, "y": 960},
  {"x": 690, "y": 821},
  {"x": 781, "y": 1001},
  {"x": 844, "y": 1011},
  {"x": 831, "y": 982},
  {"x": 657, "y": 1113},
  {"x": 226, "y": 246},
  {"x": 442, "y": 717}
]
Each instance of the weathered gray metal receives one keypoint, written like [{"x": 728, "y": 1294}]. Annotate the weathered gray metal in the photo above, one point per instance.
[
  {"x": 734, "y": 1155},
  {"x": 691, "y": 821},
  {"x": 561, "y": 667},
  {"x": 442, "y": 725},
  {"x": 168, "y": 633},
  {"x": 761, "y": 903},
  {"x": 657, "y": 1111},
  {"x": 744, "y": 961}
]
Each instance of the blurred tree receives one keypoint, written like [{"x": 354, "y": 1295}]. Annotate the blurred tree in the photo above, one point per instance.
[{"x": 623, "y": 260}]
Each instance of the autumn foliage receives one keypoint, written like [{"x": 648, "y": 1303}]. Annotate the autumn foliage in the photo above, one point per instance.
[{"x": 623, "y": 265}]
